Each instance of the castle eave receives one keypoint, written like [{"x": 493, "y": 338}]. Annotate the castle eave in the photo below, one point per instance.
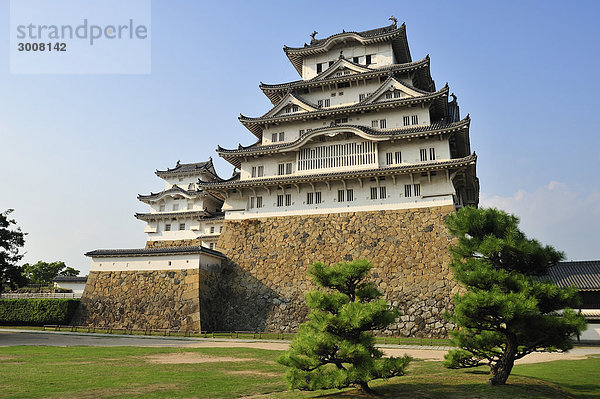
[{"x": 344, "y": 175}]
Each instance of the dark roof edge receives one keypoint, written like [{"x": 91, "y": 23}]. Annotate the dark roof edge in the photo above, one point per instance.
[{"x": 103, "y": 253}]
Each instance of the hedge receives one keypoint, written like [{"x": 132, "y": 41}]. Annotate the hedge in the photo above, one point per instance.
[{"x": 36, "y": 311}]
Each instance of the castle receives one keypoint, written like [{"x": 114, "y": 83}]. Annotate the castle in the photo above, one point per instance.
[{"x": 362, "y": 157}]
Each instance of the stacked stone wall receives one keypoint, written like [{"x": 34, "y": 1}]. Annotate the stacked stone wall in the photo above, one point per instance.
[
  {"x": 264, "y": 280},
  {"x": 174, "y": 243},
  {"x": 148, "y": 299}
]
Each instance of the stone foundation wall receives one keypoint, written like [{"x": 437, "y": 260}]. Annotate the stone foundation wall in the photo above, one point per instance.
[
  {"x": 148, "y": 299},
  {"x": 263, "y": 283}
]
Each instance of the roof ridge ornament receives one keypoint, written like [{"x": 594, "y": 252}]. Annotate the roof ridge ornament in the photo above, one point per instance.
[
  {"x": 178, "y": 162},
  {"x": 312, "y": 37},
  {"x": 394, "y": 21},
  {"x": 342, "y": 55}
]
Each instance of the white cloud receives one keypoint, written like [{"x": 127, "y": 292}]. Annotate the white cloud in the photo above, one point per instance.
[{"x": 558, "y": 215}]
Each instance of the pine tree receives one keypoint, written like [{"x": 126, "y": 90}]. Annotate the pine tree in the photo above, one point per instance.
[
  {"x": 508, "y": 309},
  {"x": 335, "y": 348},
  {"x": 11, "y": 240}
]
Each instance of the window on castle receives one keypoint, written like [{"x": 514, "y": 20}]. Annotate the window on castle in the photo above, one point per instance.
[
  {"x": 253, "y": 171},
  {"x": 288, "y": 168},
  {"x": 295, "y": 108},
  {"x": 341, "y": 120},
  {"x": 181, "y": 226},
  {"x": 382, "y": 123},
  {"x": 260, "y": 171},
  {"x": 175, "y": 207},
  {"x": 341, "y": 195},
  {"x": 319, "y": 68},
  {"x": 382, "y": 192},
  {"x": 326, "y": 102},
  {"x": 343, "y": 84},
  {"x": 317, "y": 197},
  {"x": 288, "y": 109},
  {"x": 161, "y": 208},
  {"x": 212, "y": 229},
  {"x": 417, "y": 189},
  {"x": 406, "y": 120},
  {"x": 389, "y": 158},
  {"x": 251, "y": 203},
  {"x": 423, "y": 152},
  {"x": 415, "y": 119},
  {"x": 281, "y": 136},
  {"x": 432, "y": 154},
  {"x": 284, "y": 169},
  {"x": 168, "y": 227},
  {"x": 211, "y": 245},
  {"x": 407, "y": 190},
  {"x": 373, "y": 192},
  {"x": 375, "y": 123},
  {"x": 398, "y": 157},
  {"x": 309, "y": 198},
  {"x": 279, "y": 199},
  {"x": 361, "y": 97},
  {"x": 397, "y": 94},
  {"x": 355, "y": 59},
  {"x": 259, "y": 204},
  {"x": 368, "y": 59},
  {"x": 288, "y": 199},
  {"x": 274, "y": 137},
  {"x": 349, "y": 195},
  {"x": 319, "y": 103},
  {"x": 388, "y": 96}
]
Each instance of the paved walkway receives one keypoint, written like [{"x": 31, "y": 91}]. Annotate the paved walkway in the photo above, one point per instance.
[{"x": 12, "y": 337}]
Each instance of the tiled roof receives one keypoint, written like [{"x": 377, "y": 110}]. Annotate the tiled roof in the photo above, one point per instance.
[
  {"x": 391, "y": 33},
  {"x": 162, "y": 215},
  {"x": 253, "y": 124},
  {"x": 187, "y": 168},
  {"x": 355, "y": 174},
  {"x": 100, "y": 253},
  {"x": 405, "y": 132},
  {"x": 173, "y": 190},
  {"x": 317, "y": 80},
  {"x": 70, "y": 279},
  {"x": 584, "y": 275}
]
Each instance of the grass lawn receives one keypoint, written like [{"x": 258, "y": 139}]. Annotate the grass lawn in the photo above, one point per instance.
[{"x": 99, "y": 372}]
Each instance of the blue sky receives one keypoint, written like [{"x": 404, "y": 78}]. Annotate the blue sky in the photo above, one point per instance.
[{"x": 77, "y": 149}]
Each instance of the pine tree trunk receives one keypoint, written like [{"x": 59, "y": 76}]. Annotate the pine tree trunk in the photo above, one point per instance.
[
  {"x": 364, "y": 387},
  {"x": 502, "y": 369}
]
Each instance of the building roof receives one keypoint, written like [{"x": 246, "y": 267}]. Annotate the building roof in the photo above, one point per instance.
[
  {"x": 171, "y": 191},
  {"x": 391, "y": 33},
  {"x": 276, "y": 91},
  {"x": 187, "y": 168},
  {"x": 341, "y": 175},
  {"x": 254, "y": 124},
  {"x": 70, "y": 279},
  {"x": 105, "y": 253},
  {"x": 165, "y": 215},
  {"x": 234, "y": 156},
  {"x": 585, "y": 275}
]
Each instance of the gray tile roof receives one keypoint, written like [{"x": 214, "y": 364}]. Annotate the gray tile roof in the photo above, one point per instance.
[
  {"x": 70, "y": 279},
  {"x": 584, "y": 275},
  {"x": 100, "y": 253},
  {"x": 182, "y": 168}
]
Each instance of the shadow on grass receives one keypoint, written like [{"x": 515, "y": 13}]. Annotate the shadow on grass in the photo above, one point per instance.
[{"x": 532, "y": 389}]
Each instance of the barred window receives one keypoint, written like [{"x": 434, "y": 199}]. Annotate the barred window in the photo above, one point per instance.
[
  {"x": 349, "y": 195},
  {"x": 406, "y": 120},
  {"x": 317, "y": 197},
  {"x": 382, "y": 192},
  {"x": 309, "y": 198},
  {"x": 417, "y": 188},
  {"x": 407, "y": 190},
  {"x": 341, "y": 195},
  {"x": 373, "y": 192},
  {"x": 415, "y": 119}
]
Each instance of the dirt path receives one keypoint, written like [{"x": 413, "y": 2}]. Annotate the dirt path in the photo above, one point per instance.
[{"x": 424, "y": 354}]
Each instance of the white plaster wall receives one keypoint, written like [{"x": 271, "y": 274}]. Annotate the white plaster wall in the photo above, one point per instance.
[
  {"x": 592, "y": 333},
  {"x": 76, "y": 287},
  {"x": 410, "y": 155},
  {"x": 193, "y": 229},
  {"x": 155, "y": 262},
  {"x": 394, "y": 119},
  {"x": 383, "y": 55},
  {"x": 436, "y": 192}
]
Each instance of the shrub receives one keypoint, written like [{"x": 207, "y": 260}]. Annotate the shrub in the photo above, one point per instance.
[{"x": 36, "y": 311}]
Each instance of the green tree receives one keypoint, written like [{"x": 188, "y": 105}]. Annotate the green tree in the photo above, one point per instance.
[
  {"x": 44, "y": 273},
  {"x": 508, "y": 309},
  {"x": 335, "y": 347},
  {"x": 11, "y": 240}
]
